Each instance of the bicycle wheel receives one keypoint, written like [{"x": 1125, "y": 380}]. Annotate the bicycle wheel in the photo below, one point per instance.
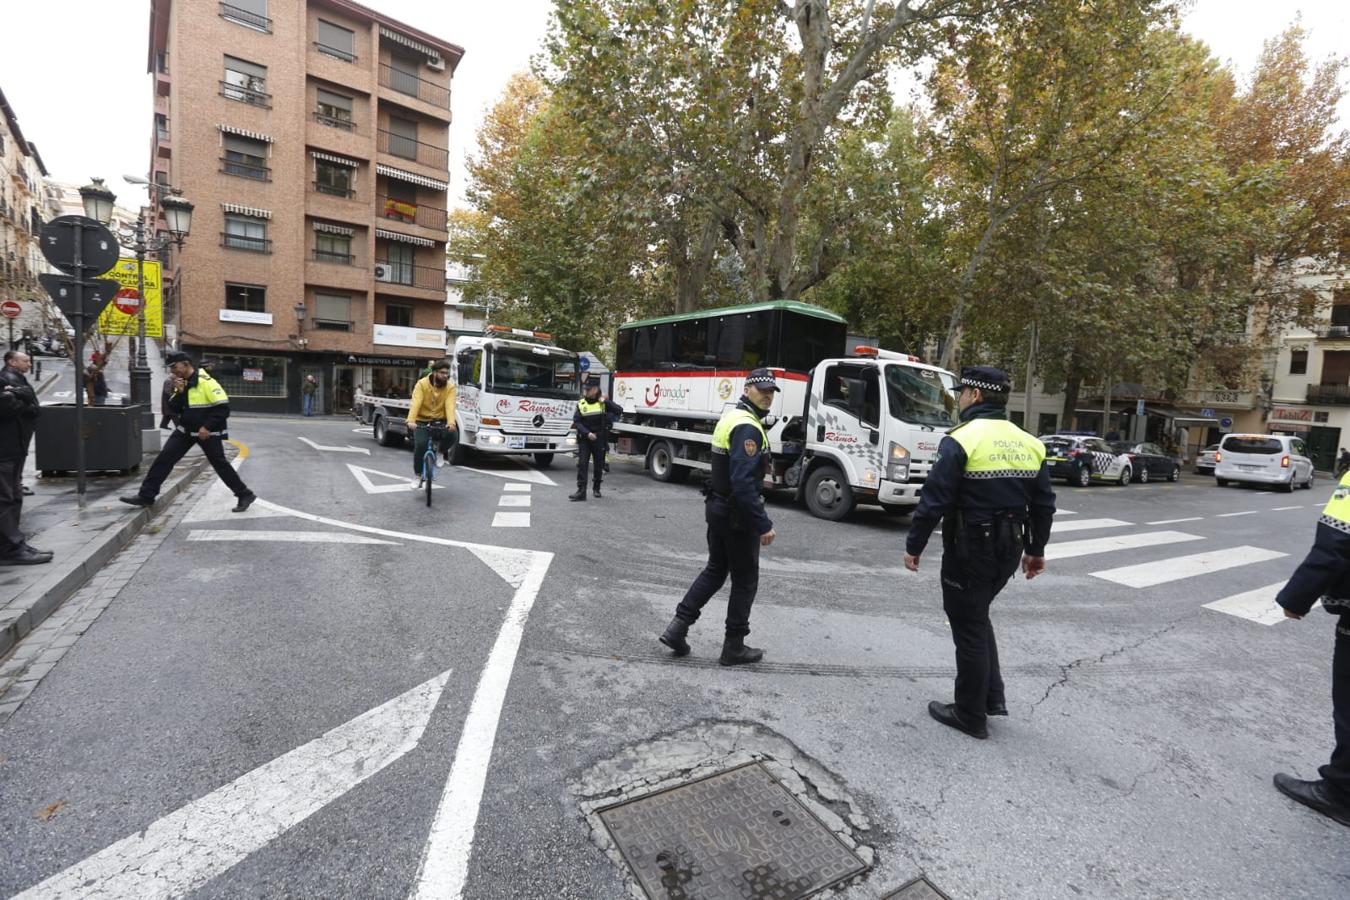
[{"x": 429, "y": 472}]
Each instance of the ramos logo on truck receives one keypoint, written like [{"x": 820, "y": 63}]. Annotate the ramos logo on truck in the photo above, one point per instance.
[
  {"x": 505, "y": 405},
  {"x": 839, "y": 437}
]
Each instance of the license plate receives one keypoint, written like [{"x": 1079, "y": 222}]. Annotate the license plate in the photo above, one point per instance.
[
  {"x": 1250, "y": 468},
  {"x": 516, "y": 443}
]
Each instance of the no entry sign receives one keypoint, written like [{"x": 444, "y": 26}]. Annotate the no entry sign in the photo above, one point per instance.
[
  {"x": 127, "y": 301},
  {"x": 10, "y": 309}
]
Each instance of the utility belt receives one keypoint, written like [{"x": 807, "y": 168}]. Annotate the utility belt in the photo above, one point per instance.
[
  {"x": 192, "y": 432},
  {"x": 1006, "y": 532}
]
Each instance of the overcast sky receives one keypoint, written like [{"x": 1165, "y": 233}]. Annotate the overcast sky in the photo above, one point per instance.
[{"x": 83, "y": 97}]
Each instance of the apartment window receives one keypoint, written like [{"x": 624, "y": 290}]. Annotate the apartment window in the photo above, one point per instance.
[
  {"x": 403, "y": 137},
  {"x": 399, "y": 314},
  {"x": 245, "y": 158},
  {"x": 1046, "y": 423},
  {"x": 333, "y": 178},
  {"x": 252, "y": 13},
  {"x": 334, "y": 248},
  {"x": 245, "y": 233},
  {"x": 1298, "y": 362},
  {"x": 400, "y": 259},
  {"x": 334, "y": 40},
  {"x": 404, "y": 74},
  {"x": 333, "y": 312},
  {"x": 400, "y": 202},
  {"x": 161, "y": 126},
  {"x": 246, "y": 297},
  {"x": 246, "y": 82},
  {"x": 334, "y": 110}
]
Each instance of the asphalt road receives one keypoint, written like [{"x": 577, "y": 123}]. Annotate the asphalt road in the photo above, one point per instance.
[{"x": 343, "y": 693}]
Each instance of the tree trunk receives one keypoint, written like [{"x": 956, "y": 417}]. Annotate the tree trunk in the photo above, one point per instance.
[{"x": 1068, "y": 417}]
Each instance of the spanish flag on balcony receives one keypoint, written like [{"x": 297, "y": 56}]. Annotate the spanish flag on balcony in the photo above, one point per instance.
[{"x": 397, "y": 209}]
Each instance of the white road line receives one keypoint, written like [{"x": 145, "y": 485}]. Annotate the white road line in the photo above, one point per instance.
[
  {"x": 1179, "y": 567},
  {"x": 445, "y": 861},
  {"x": 1088, "y": 525},
  {"x": 187, "y": 848},
  {"x": 516, "y": 486},
  {"x": 1122, "y": 542},
  {"x": 1283, "y": 508},
  {"x": 296, "y": 537},
  {"x": 400, "y": 482},
  {"x": 345, "y": 449},
  {"x": 1256, "y": 605},
  {"x": 521, "y": 474},
  {"x": 1245, "y": 512},
  {"x": 513, "y": 500},
  {"x": 1065, "y": 512},
  {"x": 511, "y": 520},
  {"x": 1175, "y": 521}
]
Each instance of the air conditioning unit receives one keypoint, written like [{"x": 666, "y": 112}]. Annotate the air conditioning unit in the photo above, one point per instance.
[
  {"x": 436, "y": 64},
  {"x": 384, "y": 272}
]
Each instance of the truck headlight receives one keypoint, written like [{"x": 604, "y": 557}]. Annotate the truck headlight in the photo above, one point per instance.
[
  {"x": 571, "y": 440},
  {"x": 897, "y": 463}
]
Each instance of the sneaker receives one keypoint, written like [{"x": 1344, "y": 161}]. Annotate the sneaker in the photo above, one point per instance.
[
  {"x": 417, "y": 485},
  {"x": 137, "y": 500},
  {"x": 243, "y": 503}
]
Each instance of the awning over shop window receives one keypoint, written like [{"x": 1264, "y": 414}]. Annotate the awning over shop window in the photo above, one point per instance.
[
  {"x": 405, "y": 238},
  {"x": 412, "y": 178}
]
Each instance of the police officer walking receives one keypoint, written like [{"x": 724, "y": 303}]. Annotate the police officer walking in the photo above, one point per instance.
[
  {"x": 737, "y": 523},
  {"x": 990, "y": 487},
  {"x": 591, "y": 420},
  {"x": 1323, "y": 574}
]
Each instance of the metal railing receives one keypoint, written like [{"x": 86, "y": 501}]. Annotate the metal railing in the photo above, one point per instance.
[
  {"x": 245, "y": 95},
  {"x": 1329, "y": 393},
  {"x": 432, "y": 217},
  {"x": 245, "y": 17},
  {"x": 245, "y": 169},
  {"x": 1333, "y": 332},
  {"x": 245, "y": 242},
  {"x": 410, "y": 148},
  {"x": 334, "y": 121},
  {"x": 336, "y": 53},
  {"x": 414, "y": 86},
  {"x": 332, "y": 256},
  {"x": 430, "y": 278},
  {"x": 334, "y": 190},
  {"x": 162, "y": 132}
]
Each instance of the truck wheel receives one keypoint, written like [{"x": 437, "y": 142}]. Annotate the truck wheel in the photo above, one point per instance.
[
  {"x": 828, "y": 495},
  {"x": 1222, "y": 482},
  {"x": 383, "y": 436},
  {"x": 459, "y": 454},
  {"x": 543, "y": 460},
  {"x": 661, "y": 463}
]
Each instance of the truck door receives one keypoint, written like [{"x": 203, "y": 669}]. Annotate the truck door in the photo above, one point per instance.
[
  {"x": 848, "y": 421},
  {"x": 468, "y": 384}
]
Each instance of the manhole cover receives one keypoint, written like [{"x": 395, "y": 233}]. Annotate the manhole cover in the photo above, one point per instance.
[
  {"x": 918, "y": 889},
  {"x": 738, "y": 834}
]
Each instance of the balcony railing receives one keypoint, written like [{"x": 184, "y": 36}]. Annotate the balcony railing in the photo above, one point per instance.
[
  {"x": 332, "y": 256},
  {"x": 430, "y": 278},
  {"x": 411, "y": 148},
  {"x": 245, "y": 242},
  {"x": 245, "y": 95},
  {"x": 245, "y": 169},
  {"x": 245, "y": 17},
  {"x": 161, "y": 132},
  {"x": 1333, "y": 332},
  {"x": 335, "y": 52},
  {"x": 432, "y": 217},
  {"x": 334, "y": 121},
  {"x": 1329, "y": 393},
  {"x": 414, "y": 86},
  {"x": 334, "y": 190}
]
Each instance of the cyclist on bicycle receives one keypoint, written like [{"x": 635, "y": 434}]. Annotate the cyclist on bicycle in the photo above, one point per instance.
[{"x": 433, "y": 403}]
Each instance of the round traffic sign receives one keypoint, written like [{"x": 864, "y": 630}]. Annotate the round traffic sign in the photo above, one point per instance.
[
  {"x": 127, "y": 301},
  {"x": 10, "y": 309},
  {"x": 585, "y": 363}
]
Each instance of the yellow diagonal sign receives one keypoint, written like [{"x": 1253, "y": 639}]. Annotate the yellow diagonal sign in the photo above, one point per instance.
[{"x": 122, "y": 315}]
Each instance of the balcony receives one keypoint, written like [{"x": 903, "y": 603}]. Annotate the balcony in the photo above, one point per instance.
[
  {"x": 432, "y": 217},
  {"x": 410, "y": 148},
  {"x": 334, "y": 190},
  {"x": 337, "y": 259},
  {"x": 251, "y": 96},
  {"x": 1336, "y": 394},
  {"x": 414, "y": 86},
  {"x": 334, "y": 122},
  {"x": 241, "y": 169},
  {"x": 335, "y": 52},
  {"x": 162, "y": 81},
  {"x": 1333, "y": 332},
  {"x": 427, "y": 278},
  {"x": 245, "y": 17},
  {"x": 245, "y": 242}
]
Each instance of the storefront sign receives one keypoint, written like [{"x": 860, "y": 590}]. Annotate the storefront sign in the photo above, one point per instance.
[
  {"x": 253, "y": 375},
  {"x": 248, "y": 318},
  {"x": 354, "y": 360},
  {"x": 1291, "y": 413},
  {"x": 422, "y": 338}
]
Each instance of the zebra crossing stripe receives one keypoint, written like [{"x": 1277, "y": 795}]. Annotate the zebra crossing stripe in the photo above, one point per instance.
[
  {"x": 1070, "y": 549},
  {"x": 1088, "y": 525},
  {"x": 1179, "y": 567},
  {"x": 1257, "y": 605}
]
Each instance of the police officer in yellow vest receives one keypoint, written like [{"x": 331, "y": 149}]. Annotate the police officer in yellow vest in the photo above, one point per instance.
[
  {"x": 203, "y": 410},
  {"x": 990, "y": 487},
  {"x": 591, "y": 421},
  {"x": 737, "y": 523},
  {"x": 1325, "y": 575}
]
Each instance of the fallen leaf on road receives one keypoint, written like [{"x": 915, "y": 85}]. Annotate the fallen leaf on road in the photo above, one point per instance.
[{"x": 52, "y": 810}]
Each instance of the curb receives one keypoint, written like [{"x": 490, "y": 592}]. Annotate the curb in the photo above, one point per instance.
[{"x": 58, "y": 587}]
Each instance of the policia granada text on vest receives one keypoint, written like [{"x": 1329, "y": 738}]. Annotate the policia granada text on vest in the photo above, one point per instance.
[
  {"x": 1325, "y": 575},
  {"x": 990, "y": 486},
  {"x": 737, "y": 523},
  {"x": 203, "y": 411},
  {"x": 591, "y": 421}
]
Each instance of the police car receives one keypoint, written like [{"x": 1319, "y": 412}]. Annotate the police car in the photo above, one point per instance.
[{"x": 1082, "y": 459}]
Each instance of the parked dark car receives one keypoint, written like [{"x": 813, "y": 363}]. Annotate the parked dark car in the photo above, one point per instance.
[{"x": 1149, "y": 462}]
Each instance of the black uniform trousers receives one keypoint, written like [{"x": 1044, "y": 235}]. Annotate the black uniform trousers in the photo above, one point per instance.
[
  {"x": 11, "y": 504},
  {"x": 588, "y": 452},
  {"x": 977, "y": 561},
  {"x": 731, "y": 551},
  {"x": 176, "y": 447},
  {"x": 1337, "y": 772}
]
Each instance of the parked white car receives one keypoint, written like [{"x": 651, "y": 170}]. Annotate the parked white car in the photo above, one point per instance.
[
  {"x": 1274, "y": 459},
  {"x": 1204, "y": 463}
]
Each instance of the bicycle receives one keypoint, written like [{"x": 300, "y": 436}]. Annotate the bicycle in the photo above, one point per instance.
[{"x": 436, "y": 431}]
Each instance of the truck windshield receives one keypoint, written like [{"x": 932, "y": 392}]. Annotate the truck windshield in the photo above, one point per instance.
[
  {"x": 527, "y": 371},
  {"x": 921, "y": 396}
]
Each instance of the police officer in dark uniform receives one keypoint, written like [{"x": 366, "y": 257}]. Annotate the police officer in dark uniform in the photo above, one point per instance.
[
  {"x": 591, "y": 421},
  {"x": 737, "y": 523},
  {"x": 990, "y": 487},
  {"x": 1325, "y": 574}
]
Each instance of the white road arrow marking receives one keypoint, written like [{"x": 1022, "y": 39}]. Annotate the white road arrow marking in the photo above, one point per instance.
[
  {"x": 522, "y": 474},
  {"x": 363, "y": 474},
  {"x": 346, "y": 449},
  {"x": 187, "y": 848},
  {"x": 294, "y": 537}
]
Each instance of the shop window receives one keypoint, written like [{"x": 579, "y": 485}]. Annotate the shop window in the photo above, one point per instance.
[{"x": 250, "y": 376}]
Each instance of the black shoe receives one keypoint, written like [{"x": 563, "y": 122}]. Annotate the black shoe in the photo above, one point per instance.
[
  {"x": 996, "y": 709},
  {"x": 606, "y": 468},
  {"x": 25, "y": 556},
  {"x": 244, "y": 502},
  {"x": 579, "y": 495},
  {"x": 735, "y": 653},
  {"x": 595, "y": 491},
  {"x": 137, "y": 500},
  {"x": 947, "y": 714},
  {"x": 1314, "y": 795},
  {"x": 674, "y": 636}
]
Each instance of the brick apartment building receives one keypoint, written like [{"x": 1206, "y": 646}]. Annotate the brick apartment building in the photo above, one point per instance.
[{"x": 311, "y": 136}]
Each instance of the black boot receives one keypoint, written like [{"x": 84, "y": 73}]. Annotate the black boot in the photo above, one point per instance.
[
  {"x": 579, "y": 495},
  {"x": 947, "y": 714},
  {"x": 596, "y": 491},
  {"x": 735, "y": 653},
  {"x": 674, "y": 636}
]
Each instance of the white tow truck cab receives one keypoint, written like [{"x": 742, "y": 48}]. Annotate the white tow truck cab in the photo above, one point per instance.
[
  {"x": 516, "y": 393},
  {"x": 844, "y": 429}
]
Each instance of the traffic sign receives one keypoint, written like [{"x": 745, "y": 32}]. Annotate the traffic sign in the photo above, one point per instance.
[
  {"x": 97, "y": 293},
  {"x": 127, "y": 301},
  {"x": 1207, "y": 413},
  {"x": 1226, "y": 424},
  {"x": 585, "y": 364},
  {"x": 10, "y": 309},
  {"x": 98, "y": 247}
]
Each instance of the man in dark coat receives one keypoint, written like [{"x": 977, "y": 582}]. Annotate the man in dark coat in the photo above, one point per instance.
[{"x": 19, "y": 410}]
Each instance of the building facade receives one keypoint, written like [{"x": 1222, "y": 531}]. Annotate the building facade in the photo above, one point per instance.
[
  {"x": 27, "y": 202},
  {"x": 311, "y": 136}
]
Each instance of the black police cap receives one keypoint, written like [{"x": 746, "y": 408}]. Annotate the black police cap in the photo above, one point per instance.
[{"x": 986, "y": 378}]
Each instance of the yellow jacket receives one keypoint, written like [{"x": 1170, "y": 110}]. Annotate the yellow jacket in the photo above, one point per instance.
[{"x": 430, "y": 403}]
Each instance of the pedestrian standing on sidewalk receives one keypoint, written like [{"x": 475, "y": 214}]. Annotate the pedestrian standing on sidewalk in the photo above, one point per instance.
[
  {"x": 167, "y": 417},
  {"x": 591, "y": 421},
  {"x": 1323, "y": 575},
  {"x": 991, "y": 490},
  {"x": 19, "y": 410},
  {"x": 203, "y": 410},
  {"x": 307, "y": 392}
]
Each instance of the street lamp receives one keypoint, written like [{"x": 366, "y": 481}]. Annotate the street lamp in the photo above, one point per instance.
[
  {"x": 300, "y": 324},
  {"x": 98, "y": 201}
]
